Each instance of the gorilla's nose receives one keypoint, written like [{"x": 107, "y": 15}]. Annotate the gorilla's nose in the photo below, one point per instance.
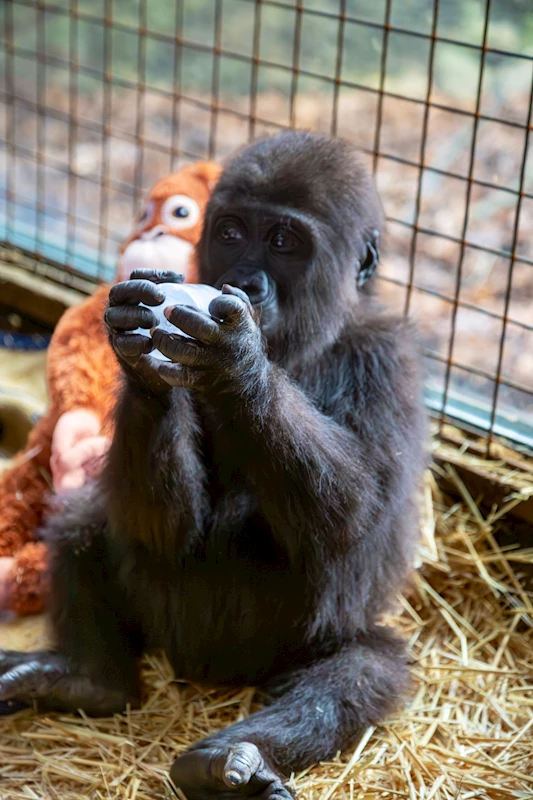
[{"x": 255, "y": 283}]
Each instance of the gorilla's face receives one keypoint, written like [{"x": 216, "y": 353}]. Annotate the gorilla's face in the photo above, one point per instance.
[
  {"x": 293, "y": 222},
  {"x": 261, "y": 251}
]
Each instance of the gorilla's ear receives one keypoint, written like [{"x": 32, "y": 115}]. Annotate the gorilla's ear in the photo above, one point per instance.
[{"x": 369, "y": 264}]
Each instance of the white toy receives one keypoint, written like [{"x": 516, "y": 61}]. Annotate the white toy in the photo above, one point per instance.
[{"x": 197, "y": 295}]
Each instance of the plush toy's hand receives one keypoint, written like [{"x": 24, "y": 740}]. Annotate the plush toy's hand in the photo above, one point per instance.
[
  {"x": 125, "y": 314},
  {"x": 6, "y": 563},
  {"x": 83, "y": 461},
  {"x": 77, "y": 449},
  {"x": 72, "y": 427},
  {"x": 226, "y": 352}
]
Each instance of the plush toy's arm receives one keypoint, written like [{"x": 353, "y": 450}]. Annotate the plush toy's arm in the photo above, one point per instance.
[
  {"x": 25, "y": 585},
  {"x": 82, "y": 374},
  {"x": 82, "y": 369},
  {"x": 24, "y": 490},
  {"x": 24, "y": 487},
  {"x": 77, "y": 354}
]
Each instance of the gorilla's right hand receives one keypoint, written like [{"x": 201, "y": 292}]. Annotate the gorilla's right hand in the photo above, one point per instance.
[{"x": 124, "y": 315}]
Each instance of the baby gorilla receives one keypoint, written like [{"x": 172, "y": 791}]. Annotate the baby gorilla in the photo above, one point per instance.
[{"x": 256, "y": 514}]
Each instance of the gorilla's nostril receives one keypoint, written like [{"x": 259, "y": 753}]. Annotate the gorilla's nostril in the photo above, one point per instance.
[
  {"x": 255, "y": 289},
  {"x": 256, "y": 285}
]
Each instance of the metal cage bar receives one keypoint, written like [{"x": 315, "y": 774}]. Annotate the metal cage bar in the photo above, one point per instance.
[
  {"x": 85, "y": 133},
  {"x": 466, "y": 218}
]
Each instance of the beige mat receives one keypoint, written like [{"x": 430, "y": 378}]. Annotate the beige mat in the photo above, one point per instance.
[
  {"x": 25, "y": 373},
  {"x": 28, "y": 633}
]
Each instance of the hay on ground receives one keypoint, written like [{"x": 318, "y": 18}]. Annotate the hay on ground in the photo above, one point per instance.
[{"x": 466, "y": 733}]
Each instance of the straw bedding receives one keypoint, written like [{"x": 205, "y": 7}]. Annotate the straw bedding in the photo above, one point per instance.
[{"x": 467, "y": 731}]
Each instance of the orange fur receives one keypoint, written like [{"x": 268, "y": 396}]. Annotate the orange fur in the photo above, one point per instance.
[
  {"x": 196, "y": 181},
  {"x": 82, "y": 373}
]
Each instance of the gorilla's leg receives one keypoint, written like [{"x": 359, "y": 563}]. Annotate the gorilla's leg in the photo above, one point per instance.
[
  {"x": 316, "y": 712},
  {"x": 94, "y": 665}
]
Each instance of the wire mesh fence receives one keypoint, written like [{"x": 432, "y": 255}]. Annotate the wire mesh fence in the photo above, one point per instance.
[{"x": 100, "y": 97}]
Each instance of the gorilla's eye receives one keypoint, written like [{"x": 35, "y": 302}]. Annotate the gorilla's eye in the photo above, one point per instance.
[
  {"x": 180, "y": 212},
  {"x": 228, "y": 233},
  {"x": 283, "y": 241}
]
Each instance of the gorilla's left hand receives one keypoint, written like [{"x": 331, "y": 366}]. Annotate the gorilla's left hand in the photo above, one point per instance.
[{"x": 226, "y": 351}]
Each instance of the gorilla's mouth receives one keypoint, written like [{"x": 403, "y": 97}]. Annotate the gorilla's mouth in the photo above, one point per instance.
[{"x": 256, "y": 284}]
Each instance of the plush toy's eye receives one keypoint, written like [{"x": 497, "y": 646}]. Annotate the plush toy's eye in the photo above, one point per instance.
[{"x": 180, "y": 212}]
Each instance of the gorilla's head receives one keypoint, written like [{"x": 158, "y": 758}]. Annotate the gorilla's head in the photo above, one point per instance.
[{"x": 295, "y": 222}]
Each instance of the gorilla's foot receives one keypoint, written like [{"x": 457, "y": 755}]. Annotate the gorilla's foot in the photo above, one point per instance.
[
  {"x": 227, "y": 773},
  {"x": 46, "y": 680}
]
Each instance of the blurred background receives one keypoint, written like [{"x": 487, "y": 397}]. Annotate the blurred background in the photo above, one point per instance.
[{"x": 99, "y": 98}]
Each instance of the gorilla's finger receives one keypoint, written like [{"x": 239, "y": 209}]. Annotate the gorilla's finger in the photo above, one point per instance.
[
  {"x": 229, "y": 308},
  {"x": 147, "y": 366},
  {"x": 180, "y": 376},
  {"x": 132, "y": 345},
  {"x": 11, "y": 658},
  {"x": 236, "y": 292},
  {"x": 194, "y": 322},
  {"x": 128, "y": 318},
  {"x": 157, "y": 276},
  {"x": 129, "y": 293},
  {"x": 179, "y": 349},
  {"x": 243, "y": 761},
  {"x": 30, "y": 679}
]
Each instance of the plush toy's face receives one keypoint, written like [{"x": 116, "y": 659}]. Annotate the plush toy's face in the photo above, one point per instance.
[{"x": 170, "y": 223}]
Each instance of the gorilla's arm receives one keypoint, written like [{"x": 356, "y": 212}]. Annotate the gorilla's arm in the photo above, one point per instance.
[
  {"x": 326, "y": 481},
  {"x": 154, "y": 463},
  {"x": 307, "y": 468},
  {"x": 319, "y": 478},
  {"x": 159, "y": 495}
]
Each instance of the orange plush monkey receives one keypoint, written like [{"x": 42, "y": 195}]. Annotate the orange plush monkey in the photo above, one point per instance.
[{"x": 67, "y": 443}]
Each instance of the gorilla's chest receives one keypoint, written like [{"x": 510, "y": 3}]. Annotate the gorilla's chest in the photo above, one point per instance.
[
  {"x": 231, "y": 615},
  {"x": 225, "y": 454}
]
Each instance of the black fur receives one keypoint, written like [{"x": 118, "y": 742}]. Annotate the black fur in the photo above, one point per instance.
[{"x": 256, "y": 515}]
